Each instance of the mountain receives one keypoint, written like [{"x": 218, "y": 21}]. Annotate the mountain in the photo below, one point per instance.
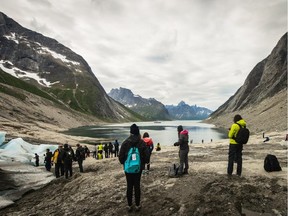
[
  {"x": 149, "y": 108},
  {"x": 185, "y": 112},
  {"x": 262, "y": 99},
  {"x": 48, "y": 66}
]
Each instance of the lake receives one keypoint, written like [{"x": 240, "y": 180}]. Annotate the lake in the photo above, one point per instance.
[{"x": 164, "y": 132}]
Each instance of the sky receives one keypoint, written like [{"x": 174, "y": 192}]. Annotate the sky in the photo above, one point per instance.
[{"x": 197, "y": 51}]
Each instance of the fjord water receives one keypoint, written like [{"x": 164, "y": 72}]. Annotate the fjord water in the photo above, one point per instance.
[{"x": 164, "y": 132}]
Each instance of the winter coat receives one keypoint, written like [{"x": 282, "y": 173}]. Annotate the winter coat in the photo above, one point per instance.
[
  {"x": 134, "y": 140},
  {"x": 149, "y": 143},
  {"x": 234, "y": 130},
  {"x": 183, "y": 140}
]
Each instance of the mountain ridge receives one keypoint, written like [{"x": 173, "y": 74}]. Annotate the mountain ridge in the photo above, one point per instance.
[{"x": 262, "y": 99}]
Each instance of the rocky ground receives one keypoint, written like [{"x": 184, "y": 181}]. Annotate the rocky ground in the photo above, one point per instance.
[{"x": 206, "y": 190}]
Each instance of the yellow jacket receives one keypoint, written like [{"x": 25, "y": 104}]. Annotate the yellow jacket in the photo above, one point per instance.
[
  {"x": 55, "y": 156},
  {"x": 234, "y": 130}
]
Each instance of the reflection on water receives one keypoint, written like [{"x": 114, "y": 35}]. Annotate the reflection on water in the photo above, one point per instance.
[{"x": 163, "y": 132}]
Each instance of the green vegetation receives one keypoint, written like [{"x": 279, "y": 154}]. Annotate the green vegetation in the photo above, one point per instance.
[{"x": 8, "y": 79}]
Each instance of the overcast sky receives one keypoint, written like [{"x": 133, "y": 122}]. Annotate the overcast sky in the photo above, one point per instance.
[{"x": 198, "y": 51}]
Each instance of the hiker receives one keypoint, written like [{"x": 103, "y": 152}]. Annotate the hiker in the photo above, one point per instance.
[
  {"x": 95, "y": 152},
  {"x": 100, "y": 151},
  {"x": 80, "y": 156},
  {"x": 47, "y": 160},
  {"x": 106, "y": 150},
  {"x": 36, "y": 160},
  {"x": 133, "y": 179},
  {"x": 116, "y": 147},
  {"x": 158, "y": 147},
  {"x": 87, "y": 151},
  {"x": 235, "y": 149},
  {"x": 68, "y": 156},
  {"x": 57, "y": 160},
  {"x": 149, "y": 143},
  {"x": 183, "y": 150},
  {"x": 110, "y": 150}
]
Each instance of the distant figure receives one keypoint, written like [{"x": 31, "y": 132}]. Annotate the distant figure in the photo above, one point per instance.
[
  {"x": 211, "y": 140},
  {"x": 110, "y": 150},
  {"x": 266, "y": 139},
  {"x": 100, "y": 151},
  {"x": 80, "y": 156},
  {"x": 47, "y": 160},
  {"x": 95, "y": 152},
  {"x": 191, "y": 141},
  {"x": 106, "y": 149},
  {"x": 36, "y": 160},
  {"x": 149, "y": 143},
  {"x": 116, "y": 146},
  {"x": 87, "y": 151},
  {"x": 202, "y": 141},
  {"x": 286, "y": 138},
  {"x": 158, "y": 147}
]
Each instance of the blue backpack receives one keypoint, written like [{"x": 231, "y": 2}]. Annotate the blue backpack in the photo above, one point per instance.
[{"x": 133, "y": 161}]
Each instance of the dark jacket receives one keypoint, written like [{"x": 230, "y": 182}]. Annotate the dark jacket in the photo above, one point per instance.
[
  {"x": 183, "y": 140},
  {"x": 68, "y": 155},
  {"x": 134, "y": 140}
]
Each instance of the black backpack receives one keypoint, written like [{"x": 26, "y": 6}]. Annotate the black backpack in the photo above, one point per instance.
[
  {"x": 242, "y": 135},
  {"x": 271, "y": 163},
  {"x": 69, "y": 155}
]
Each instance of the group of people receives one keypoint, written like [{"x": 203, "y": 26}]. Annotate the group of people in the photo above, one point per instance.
[
  {"x": 145, "y": 147},
  {"x": 108, "y": 149},
  {"x": 63, "y": 158}
]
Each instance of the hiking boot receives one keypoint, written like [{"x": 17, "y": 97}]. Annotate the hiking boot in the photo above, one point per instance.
[
  {"x": 129, "y": 209},
  {"x": 137, "y": 208}
]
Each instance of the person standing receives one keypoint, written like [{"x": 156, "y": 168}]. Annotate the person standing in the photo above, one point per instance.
[
  {"x": 183, "y": 150},
  {"x": 235, "y": 149},
  {"x": 110, "y": 150},
  {"x": 47, "y": 159},
  {"x": 149, "y": 143},
  {"x": 116, "y": 147},
  {"x": 133, "y": 179},
  {"x": 57, "y": 160},
  {"x": 68, "y": 155},
  {"x": 36, "y": 160},
  {"x": 80, "y": 156},
  {"x": 106, "y": 150}
]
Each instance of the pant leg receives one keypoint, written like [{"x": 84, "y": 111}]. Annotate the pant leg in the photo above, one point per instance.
[
  {"x": 66, "y": 169},
  {"x": 183, "y": 154},
  {"x": 57, "y": 170},
  {"x": 137, "y": 189},
  {"x": 129, "y": 191},
  {"x": 80, "y": 163},
  {"x": 239, "y": 158},
  {"x": 231, "y": 158},
  {"x": 186, "y": 163}
]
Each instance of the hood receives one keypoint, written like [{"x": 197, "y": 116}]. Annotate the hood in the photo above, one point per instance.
[
  {"x": 242, "y": 122},
  {"x": 185, "y": 132}
]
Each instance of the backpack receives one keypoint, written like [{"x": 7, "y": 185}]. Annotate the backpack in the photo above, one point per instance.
[
  {"x": 271, "y": 163},
  {"x": 82, "y": 153},
  {"x": 242, "y": 135},
  {"x": 69, "y": 155},
  {"x": 173, "y": 171},
  {"x": 133, "y": 161}
]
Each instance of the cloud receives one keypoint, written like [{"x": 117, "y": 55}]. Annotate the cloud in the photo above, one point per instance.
[{"x": 199, "y": 51}]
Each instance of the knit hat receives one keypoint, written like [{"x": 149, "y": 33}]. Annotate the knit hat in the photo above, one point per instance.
[{"x": 134, "y": 129}]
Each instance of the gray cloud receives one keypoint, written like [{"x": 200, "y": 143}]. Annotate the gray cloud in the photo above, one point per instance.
[{"x": 199, "y": 51}]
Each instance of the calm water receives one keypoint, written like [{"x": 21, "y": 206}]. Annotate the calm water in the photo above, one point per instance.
[{"x": 164, "y": 132}]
